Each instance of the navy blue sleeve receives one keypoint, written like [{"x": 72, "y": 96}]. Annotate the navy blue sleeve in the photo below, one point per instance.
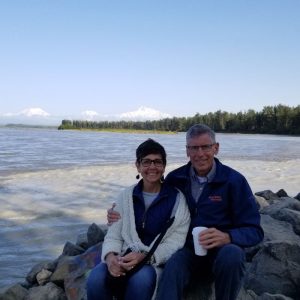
[{"x": 245, "y": 216}]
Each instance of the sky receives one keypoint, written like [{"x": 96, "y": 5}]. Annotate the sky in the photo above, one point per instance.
[{"x": 180, "y": 58}]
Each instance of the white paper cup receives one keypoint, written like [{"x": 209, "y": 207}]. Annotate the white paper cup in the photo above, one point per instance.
[{"x": 199, "y": 250}]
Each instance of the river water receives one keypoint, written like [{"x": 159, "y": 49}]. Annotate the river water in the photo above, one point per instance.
[{"x": 54, "y": 184}]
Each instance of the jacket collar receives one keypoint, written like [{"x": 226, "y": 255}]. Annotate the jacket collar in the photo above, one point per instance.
[
  {"x": 138, "y": 190},
  {"x": 208, "y": 178},
  {"x": 220, "y": 175}
]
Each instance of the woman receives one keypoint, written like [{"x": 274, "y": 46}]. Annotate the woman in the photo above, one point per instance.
[{"x": 144, "y": 208}]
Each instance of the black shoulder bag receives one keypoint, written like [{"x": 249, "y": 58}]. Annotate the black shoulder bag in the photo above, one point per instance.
[{"x": 118, "y": 284}]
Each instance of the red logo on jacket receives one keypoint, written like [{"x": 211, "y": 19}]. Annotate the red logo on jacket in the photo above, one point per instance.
[{"x": 215, "y": 198}]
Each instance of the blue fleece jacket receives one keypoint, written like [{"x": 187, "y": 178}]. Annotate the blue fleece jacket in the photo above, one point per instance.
[
  {"x": 149, "y": 223},
  {"x": 226, "y": 203}
]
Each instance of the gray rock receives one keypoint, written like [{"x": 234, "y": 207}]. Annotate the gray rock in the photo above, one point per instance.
[
  {"x": 250, "y": 295},
  {"x": 71, "y": 250},
  {"x": 268, "y": 296},
  {"x": 50, "y": 291},
  {"x": 297, "y": 196},
  {"x": 51, "y": 265},
  {"x": 290, "y": 216},
  {"x": 43, "y": 277},
  {"x": 277, "y": 230},
  {"x": 268, "y": 195},
  {"x": 82, "y": 240},
  {"x": 287, "y": 210},
  {"x": 31, "y": 276},
  {"x": 94, "y": 235},
  {"x": 282, "y": 193},
  {"x": 14, "y": 292},
  {"x": 246, "y": 295},
  {"x": 261, "y": 201},
  {"x": 275, "y": 269},
  {"x": 62, "y": 270}
]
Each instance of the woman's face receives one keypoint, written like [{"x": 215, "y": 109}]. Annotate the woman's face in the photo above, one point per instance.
[{"x": 151, "y": 168}]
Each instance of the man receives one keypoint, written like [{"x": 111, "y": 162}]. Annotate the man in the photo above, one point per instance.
[{"x": 220, "y": 199}]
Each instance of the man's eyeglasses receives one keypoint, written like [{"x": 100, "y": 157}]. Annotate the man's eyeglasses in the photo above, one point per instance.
[
  {"x": 145, "y": 162},
  {"x": 204, "y": 148}
]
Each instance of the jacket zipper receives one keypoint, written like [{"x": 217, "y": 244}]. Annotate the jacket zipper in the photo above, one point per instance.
[{"x": 144, "y": 221}]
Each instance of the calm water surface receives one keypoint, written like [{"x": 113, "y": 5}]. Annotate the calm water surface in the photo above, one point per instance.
[{"x": 38, "y": 149}]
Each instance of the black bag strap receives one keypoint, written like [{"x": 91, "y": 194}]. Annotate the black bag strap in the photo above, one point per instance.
[
  {"x": 168, "y": 224},
  {"x": 158, "y": 240},
  {"x": 153, "y": 248}
]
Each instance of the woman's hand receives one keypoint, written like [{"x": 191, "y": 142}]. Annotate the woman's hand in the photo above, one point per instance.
[
  {"x": 130, "y": 260},
  {"x": 112, "y": 215},
  {"x": 113, "y": 265}
]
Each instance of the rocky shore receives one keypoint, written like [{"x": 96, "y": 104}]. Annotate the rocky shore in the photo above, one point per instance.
[{"x": 273, "y": 267}]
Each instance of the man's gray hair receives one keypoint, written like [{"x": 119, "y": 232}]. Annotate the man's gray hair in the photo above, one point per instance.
[{"x": 200, "y": 129}]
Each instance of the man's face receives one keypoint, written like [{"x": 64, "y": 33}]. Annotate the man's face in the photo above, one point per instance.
[{"x": 202, "y": 157}]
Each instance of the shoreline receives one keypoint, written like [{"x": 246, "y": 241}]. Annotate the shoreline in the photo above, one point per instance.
[{"x": 134, "y": 131}]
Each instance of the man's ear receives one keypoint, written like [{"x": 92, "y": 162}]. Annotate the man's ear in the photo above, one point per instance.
[{"x": 217, "y": 146}]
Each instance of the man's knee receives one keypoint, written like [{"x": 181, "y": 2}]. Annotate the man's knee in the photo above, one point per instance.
[
  {"x": 178, "y": 262},
  {"x": 230, "y": 256}
]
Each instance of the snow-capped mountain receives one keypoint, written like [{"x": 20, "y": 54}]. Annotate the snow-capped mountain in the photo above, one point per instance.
[
  {"x": 30, "y": 116},
  {"x": 89, "y": 115},
  {"x": 144, "y": 113},
  {"x": 29, "y": 112},
  {"x": 34, "y": 112},
  {"x": 141, "y": 114},
  {"x": 38, "y": 116}
]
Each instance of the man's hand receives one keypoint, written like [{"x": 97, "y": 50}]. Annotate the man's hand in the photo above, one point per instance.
[
  {"x": 212, "y": 237},
  {"x": 112, "y": 215}
]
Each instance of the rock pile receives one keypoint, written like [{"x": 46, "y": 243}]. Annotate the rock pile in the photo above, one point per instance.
[{"x": 273, "y": 267}]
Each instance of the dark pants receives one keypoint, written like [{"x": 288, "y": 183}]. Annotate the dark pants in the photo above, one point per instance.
[
  {"x": 225, "y": 265},
  {"x": 140, "y": 285}
]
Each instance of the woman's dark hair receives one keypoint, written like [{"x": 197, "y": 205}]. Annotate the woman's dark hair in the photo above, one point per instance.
[{"x": 150, "y": 147}]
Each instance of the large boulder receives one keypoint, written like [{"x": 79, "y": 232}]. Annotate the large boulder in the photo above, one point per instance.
[
  {"x": 275, "y": 269},
  {"x": 14, "y": 292},
  {"x": 287, "y": 209},
  {"x": 50, "y": 291}
]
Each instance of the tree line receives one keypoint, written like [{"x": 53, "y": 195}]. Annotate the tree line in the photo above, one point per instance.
[{"x": 279, "y": 119}]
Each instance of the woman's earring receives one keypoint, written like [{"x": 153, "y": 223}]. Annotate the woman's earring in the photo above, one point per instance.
[{"x": 137, "y": 176}]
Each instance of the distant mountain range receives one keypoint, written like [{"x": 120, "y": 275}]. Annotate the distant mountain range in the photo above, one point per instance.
[
  {"x": 38, "y": 116},
  {"x": 144, "y": 113}
]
